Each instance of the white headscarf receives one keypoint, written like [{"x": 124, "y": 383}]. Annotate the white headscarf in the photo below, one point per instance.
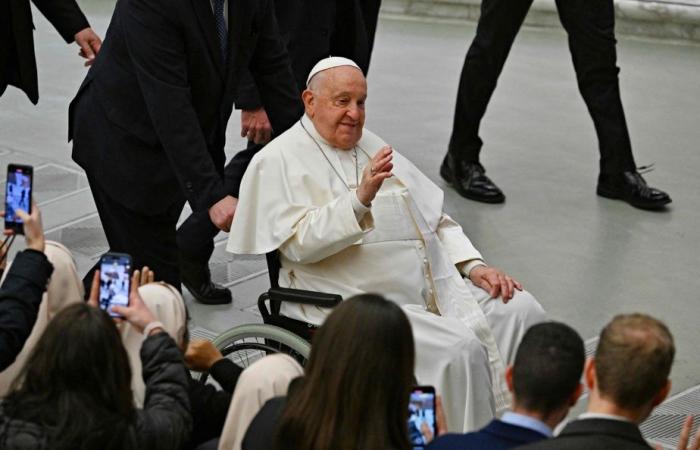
[
  {"x": 168, "y": 307},
  {"x": 266, "y": 378},
  {"x": 64, "y": 289}
]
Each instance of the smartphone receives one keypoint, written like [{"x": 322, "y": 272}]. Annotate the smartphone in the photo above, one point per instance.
[
  {"x": 421, "y": 416},
  {"x": 115, "y": 281},
  {"x": 18, "y": 195}
]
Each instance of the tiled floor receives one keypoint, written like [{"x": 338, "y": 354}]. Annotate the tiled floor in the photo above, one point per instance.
[{"x": 585, "y": 258}]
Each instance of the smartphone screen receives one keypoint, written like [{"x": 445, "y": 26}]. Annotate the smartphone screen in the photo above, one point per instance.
[
  {"x": 18, "y": 195},
  {"x": 115, "y": 281},
  {"x": 421, "y": 416}
]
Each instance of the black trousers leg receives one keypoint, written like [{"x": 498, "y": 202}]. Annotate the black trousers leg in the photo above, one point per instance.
[
  {"x": 498, "y": 25},
  {"x": 196, "y": 234},
  {"x": 590, "y": 25},
  {"x": 149, "y": 239}
]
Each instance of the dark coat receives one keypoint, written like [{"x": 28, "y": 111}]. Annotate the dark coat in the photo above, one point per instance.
[
  {"x": 17, "y": 61},
  {"x": 595, "y": 434},
  {"x": 149, "y": 121},
  {"x": 262, "y": 429},
  {"x": 315, "y": 29},
  {"x": 20, "y": 297},
  {"x": 495, "y": 436},
  {"x": 164, "y": 422},
  {"x": 209, "y": 405}
]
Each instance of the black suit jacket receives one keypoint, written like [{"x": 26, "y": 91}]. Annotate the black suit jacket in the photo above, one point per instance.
[
  {"x": 595, "y": 434},
  {"x": 149, "y": 121},
  {"x": 17, "y": 61},
  {"x": 496, "y": 435},
  {"x": 315, "y": 29}
]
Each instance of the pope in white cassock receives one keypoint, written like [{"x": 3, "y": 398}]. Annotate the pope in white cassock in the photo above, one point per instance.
[{"x": 350, "y": 215}]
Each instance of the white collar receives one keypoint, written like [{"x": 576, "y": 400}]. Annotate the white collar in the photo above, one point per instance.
[{"x": 593, "y": 415}]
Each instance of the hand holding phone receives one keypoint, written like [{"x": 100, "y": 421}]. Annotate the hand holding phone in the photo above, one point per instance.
[
  {"x": 18, "y": 196},
  {"x": 422, "y": 420},
  {"x": 137, "y": 313},
  {"x": 115, "y": 282}
]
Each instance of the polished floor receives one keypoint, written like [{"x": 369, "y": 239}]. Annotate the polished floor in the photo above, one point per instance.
[{"x": 585, "y": 258}]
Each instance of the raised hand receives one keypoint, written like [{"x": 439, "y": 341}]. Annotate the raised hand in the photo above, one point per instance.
[
  {"x": 137, "y": 313},
  {"x": 33, "y": 228},
  {"x": 373, "y": 176}
]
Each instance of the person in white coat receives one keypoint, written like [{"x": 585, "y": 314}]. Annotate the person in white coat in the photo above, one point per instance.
[{"x": 350, "y": 215}]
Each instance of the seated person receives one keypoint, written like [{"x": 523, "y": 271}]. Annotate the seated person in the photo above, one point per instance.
[
  {"x": 627, "y": 379},
  {"x": 74, "y": 390},
  {"x": 356, "y": 398},
  {"x": 545, "y": 382},
  {"x": 350, "y": 215}
]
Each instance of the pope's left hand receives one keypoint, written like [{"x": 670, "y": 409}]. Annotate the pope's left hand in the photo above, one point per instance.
[
  {"x": 495, "y": 282},
  {"x": 89, "y": 43}
]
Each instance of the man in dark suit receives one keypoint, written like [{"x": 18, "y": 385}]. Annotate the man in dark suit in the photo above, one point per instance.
[
  {"x": 312, "y": 30},
  {"x": 627, "y": 379},
  {"x": 17, "y": 61},
  {"x": 545, "y": 382},
  {"x": 591, "y": 29},
  {"x": 149, "y": 121}
]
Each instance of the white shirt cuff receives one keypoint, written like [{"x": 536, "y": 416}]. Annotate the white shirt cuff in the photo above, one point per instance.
[
  {"x": 358, "y": 208},
  {"x": 467, "y": 266}
]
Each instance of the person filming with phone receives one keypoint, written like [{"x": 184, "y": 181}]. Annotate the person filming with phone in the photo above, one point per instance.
[
  {"x": 22, "y": 289},
  {"x": 354, "y": 399},
  {"x": 74, "y": 390}
]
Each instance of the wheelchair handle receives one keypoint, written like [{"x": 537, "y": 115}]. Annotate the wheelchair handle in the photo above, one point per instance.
[{"x": 277, "y": 295}]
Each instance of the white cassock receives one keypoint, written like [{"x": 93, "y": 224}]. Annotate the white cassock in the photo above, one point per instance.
[{"x": 298, "y": 196}]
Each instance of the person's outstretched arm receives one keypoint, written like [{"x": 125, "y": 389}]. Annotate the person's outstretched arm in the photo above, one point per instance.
[
  {"x": 22, "y": 290},
  {"x": 165, "y": 421},
  {"x": 70, "y": 22}
]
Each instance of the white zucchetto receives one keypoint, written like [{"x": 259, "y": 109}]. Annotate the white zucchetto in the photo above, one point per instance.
[{"x": 330, "y": 63}]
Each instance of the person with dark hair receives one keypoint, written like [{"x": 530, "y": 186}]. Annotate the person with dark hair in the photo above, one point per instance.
[
  {"x": 627, "y": 379},
  {"x": 590, "y": 26},
  {"x": 22, "y": 290},
  {"x": 545, "y": 382},
  {"x": 356, "y": 398},
  {"x": 74, "y": 390}
]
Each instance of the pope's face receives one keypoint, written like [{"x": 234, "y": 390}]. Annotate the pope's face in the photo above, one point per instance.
[{"x": 336, "y": 105}]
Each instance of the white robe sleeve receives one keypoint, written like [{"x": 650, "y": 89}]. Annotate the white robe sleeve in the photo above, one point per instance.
[
  {"x": 325, "y": 231},
  {"x": 458, "y": 246}
]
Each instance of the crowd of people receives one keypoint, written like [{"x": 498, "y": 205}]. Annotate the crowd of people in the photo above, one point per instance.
[
  {"x": 339, "y": 210},
  {"x": 74, "y": 377}
]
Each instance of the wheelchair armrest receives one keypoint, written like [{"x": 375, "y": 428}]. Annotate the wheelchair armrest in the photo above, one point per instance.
[{"x": 277, "y": 295}]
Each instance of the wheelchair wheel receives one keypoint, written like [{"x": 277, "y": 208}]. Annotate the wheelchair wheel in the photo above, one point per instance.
[{"x": 246, "y": 344}]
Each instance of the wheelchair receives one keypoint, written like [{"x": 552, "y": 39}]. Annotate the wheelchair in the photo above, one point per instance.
[{"x": 245, "y": 344}]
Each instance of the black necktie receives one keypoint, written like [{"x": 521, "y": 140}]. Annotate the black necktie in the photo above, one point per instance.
[{"x": 221, "y": 27}]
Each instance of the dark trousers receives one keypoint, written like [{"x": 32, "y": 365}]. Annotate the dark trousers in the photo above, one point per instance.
[
  {"x": 195, "y": 237},
  {"x": 149, "y": 239},
  {"x": 590, "y": 25}
]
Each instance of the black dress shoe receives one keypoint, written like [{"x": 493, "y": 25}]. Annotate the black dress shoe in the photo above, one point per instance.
[
  {"x": 196, "y": 277},
  {"x": 470, "y": 181},
  {"x": 631, "y": 187}
]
